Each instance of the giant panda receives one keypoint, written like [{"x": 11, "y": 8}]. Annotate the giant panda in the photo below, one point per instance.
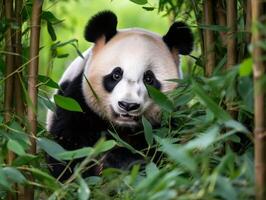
[{"x": 109, "y": 83}]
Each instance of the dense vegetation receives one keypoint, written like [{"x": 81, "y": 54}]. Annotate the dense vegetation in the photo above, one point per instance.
[{"x": 206, "y": 136}]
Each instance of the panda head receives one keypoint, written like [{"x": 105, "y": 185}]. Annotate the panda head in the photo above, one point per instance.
[{"x": 122, "y": 62}]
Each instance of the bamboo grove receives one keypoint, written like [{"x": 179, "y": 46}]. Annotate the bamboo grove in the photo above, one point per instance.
[{"x": 216, "y": 150}]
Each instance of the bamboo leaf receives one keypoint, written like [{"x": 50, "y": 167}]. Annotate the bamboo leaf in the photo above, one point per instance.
[
  {"x": 161, "y": 99},
  {"x": 14, "y": 146},
  {"x": 51, "y": 31},
  {"x": 48, "y": 81},
  {"x": 67, "y": 103},
  {"x": 209, "y": 103},
  {"x": 3, "y": 180},
  {"x": 245, "y": 68},
  {"x": 83, "y": 190},
  {"x": 102, "y": 146},
  {"x": 50, "y": 147},
  {"x": 148, "y": 8},
  {"x": 44, "y": 178},
  {"x": 217, "y": 28},
  {"x": 50, "y": 17},
  {"x": 147, "y": 131},
  {"x": 14, "y": 175},
  {"x": 140, "y": 2},
  {"x": 177, "y": 153},
  {"x": 203, "y": 140},
  {"x": 78, "y": 153}
]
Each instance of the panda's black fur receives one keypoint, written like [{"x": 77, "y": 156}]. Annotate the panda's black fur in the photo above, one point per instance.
[{"x": 73, "y": 130}]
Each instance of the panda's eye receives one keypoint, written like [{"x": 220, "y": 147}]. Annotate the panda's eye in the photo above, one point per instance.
[
  {"x": 117, "y": 74},
  {"x": 148, "y": 78}
]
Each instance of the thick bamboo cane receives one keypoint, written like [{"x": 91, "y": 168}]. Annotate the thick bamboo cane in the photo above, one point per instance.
[
  {"x": 8, "y": 93},
  {"x": 221, "y": 19},
  {"x": 9, "y": 69},
  {"x": 32, "y": 80},
  {"x": 209, "y": 38},
  {"x": 231, "y": 34},
  {"x": 18, "y": 61},
  {"x": 259, "y": 69}
]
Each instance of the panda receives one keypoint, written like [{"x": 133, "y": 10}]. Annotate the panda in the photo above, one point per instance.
[{"x": 109, "y": 83}]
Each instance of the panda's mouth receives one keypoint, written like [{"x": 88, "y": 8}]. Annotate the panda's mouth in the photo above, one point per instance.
[
  {"x": 128, "y": 117},
  {"x": 125, "y": 117}
]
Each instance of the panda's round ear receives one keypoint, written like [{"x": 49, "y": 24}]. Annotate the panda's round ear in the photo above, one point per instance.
[
  {"x": 102, "y": 24},
  {"x": 179, "y": 36}
]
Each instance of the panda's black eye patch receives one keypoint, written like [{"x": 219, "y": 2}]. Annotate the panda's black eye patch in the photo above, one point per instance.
[
  {"x": 110, "y": 80},
  {"x": 150, "y": 79}
]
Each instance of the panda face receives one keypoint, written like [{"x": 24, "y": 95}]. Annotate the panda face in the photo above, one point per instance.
[
  {"x": 122, "y": 63},
  {"x": 119, "y": 71}
]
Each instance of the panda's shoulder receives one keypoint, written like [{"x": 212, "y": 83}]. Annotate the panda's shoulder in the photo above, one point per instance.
[{"x": 75, "y": 67}]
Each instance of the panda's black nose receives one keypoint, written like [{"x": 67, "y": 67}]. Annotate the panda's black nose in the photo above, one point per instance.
[{"x": 128, "y": 106}]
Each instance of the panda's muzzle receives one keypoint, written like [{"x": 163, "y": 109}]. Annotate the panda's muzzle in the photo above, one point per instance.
[{"x": 128, "y": 106}]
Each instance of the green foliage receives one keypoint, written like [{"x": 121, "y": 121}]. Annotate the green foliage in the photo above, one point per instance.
[{"x": 196, "y": 135}]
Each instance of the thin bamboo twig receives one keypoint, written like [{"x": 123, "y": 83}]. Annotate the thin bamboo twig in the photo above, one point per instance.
[
  {"x": 32, "y": 80},
  {"x": 259, "y": 69},
  {"x": 231, "y": 34},
  {"x": 209, "y": 38}
]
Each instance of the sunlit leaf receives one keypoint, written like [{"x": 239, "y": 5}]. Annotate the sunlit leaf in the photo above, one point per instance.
[
  {"x": 67, "y": 103},
  {"x": 245, "y": 67}
]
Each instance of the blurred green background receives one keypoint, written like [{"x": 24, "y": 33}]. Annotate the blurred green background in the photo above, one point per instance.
[{"x": 76, "y": 13}]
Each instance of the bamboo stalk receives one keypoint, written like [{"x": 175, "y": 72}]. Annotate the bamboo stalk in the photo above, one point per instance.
[
  {"x": 32, "y": 80},
  {"x": 18, "y": 62},
  {"x": 209, "y": 38},
  {"x": 248, "y": 22},
  {"x": 259, "y": 69},
  {"x": 9, "y": 69},
  {"x": 9, "y": 82},
  {"x": 19, "y": 105},
  {"x": 231, "y": 37},
  {"x": 221, "y": 19}
]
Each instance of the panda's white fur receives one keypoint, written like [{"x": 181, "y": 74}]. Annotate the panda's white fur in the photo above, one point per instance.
[{"x": 75, "y": 67}]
